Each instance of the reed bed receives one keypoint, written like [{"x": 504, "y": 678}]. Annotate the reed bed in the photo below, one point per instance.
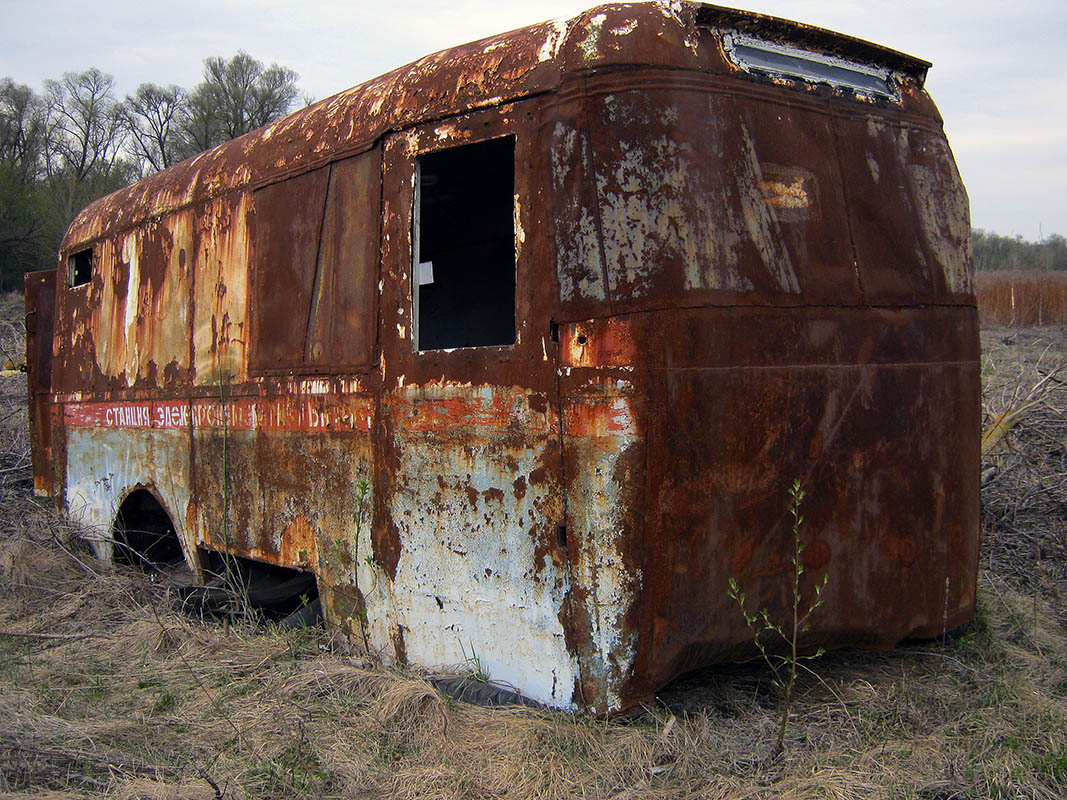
[{"x": 1022, "y": 299}]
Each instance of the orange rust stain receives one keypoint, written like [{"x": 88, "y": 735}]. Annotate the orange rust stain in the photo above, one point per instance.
[
  {"x": 298, "y": 544},
  {"x": 601, "y": 417},
  {"x": 781, "y": 194},
  {"x": 816, "y": 554},
  {"x": 742, "y": 556},
  {"x": 605, "y": 343},
  {"x": 220, "y": 293},
  {"x": 499, "y": 410},
  {"x": 902, "y": 549}
]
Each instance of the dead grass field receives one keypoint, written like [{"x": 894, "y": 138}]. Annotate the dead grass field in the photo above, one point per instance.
[{"x": 107, "y": 691}]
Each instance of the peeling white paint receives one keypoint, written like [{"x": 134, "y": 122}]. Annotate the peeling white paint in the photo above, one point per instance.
[
  {"x": 445, "y": 132},
  {"x": 130, "y": 254},
  {"x": 314, "y": 386},
  {"x": 596, "y": 506},
  {"x": 104, "y": 466},
  {"x": 467, "y": 579},
  {"x": 872, "y": 165},
  {"x": 762, "y": 227},
  {"x": 556, "y": 35},
  {"x": 588, "y": 45},
  {"x": 579, "y": 269},
  {"x": 946, "y": 222}
]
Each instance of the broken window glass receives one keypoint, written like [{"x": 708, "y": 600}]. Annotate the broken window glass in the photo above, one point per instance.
[
  {"x": 80, "y": 265},
  {"x": 756, "y": 55}
]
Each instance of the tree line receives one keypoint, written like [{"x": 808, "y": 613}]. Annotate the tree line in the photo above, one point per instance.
[
  {"x": 993, "y": 252},
  {"x": 77, "y": 140}
]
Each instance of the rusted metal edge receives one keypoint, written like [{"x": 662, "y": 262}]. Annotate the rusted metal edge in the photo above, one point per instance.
[
  {"x": 538, "y": 58},
  {"x": 829, "y": 42}
]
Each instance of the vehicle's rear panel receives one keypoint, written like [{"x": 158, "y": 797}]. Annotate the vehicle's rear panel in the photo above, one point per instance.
[{"x": 774, "y": 281}]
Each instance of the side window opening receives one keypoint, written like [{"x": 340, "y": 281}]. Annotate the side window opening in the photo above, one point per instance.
[
  {"x": 464, "y": 246},
  {"x": 80, "y": 266}
]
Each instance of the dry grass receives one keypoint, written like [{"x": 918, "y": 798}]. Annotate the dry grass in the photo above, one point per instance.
[
  {"x": 107, "y": 691},
  {"x": 1024, "y": 491},
  {"x": 1022, "y": 298},
  {"x": 14, "y": 430}
]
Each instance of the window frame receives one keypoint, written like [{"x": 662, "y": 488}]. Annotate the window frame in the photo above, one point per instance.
[
  {"x": 416, "y": 242},
  {"x": 73, "y": 267}
]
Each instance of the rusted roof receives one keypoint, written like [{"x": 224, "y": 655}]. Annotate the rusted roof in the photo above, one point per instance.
[
  {"x": 483, "y": 73},
  {"x": 820, "y": 39}
]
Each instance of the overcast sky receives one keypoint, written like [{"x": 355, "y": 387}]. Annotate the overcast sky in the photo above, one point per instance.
[{"x": 999, "y": 74}]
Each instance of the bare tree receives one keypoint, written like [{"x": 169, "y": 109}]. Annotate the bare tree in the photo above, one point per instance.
[
  {"x": 86, "y": 125},
  {"x": 201, "y": 127},
  {"x": 76, "y": 142},
  {"x": 22, "y": 129},
  {"x": 153, "y": 118},
  {"x": 86, "y": 132},
  {"x": 236, "y": 96}
]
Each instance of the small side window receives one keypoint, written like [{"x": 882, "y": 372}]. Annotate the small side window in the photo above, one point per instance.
[
  {"x": 464, "y": 246},
  {"x": 80, "y": 266}
]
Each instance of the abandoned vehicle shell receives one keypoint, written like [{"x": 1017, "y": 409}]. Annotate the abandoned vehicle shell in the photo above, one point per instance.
[{"x": 518, "y": 348}]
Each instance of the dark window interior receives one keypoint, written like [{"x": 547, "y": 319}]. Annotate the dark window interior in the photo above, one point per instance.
[
  {"x": 464, "y": 272},
  {"x": 81, "y": 267}
]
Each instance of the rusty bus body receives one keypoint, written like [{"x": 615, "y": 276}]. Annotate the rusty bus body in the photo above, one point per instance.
[{"x": 579, "y": 302}]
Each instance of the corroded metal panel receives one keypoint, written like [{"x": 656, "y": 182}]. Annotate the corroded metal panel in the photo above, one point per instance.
[
  {"x": 40, "y": 329},
  {"x": 220, "y": 312},
  {"x": 286, "y": 231},
  {"x": 579, "y": 260},
  {"x": 604, "y": 465},
  {"x": 105, "y": 463},
  {"x": 343, "y": 327},
  {"x": 911, "y": 221},
  {"x": 273, "y": 475},
  {"x": 475, "y": 501},
  {"x": 128, "y": 327},
  {"x": 726, "y": 197},
  {"x": 469, "y": 500},
  {"x": 875, "y": 413}
]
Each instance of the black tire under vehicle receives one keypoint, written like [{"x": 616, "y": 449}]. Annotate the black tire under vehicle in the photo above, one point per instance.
[{"x": 235, "y": 586}]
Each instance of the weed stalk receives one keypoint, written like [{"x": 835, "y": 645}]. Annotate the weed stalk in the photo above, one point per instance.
[
  {"x": 362, "y": 490},
  {"x": 784, "y": 667}
]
